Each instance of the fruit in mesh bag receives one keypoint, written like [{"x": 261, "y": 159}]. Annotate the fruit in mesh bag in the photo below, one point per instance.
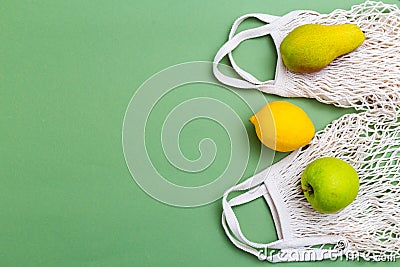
[
  {"x": 283, "y": 126},
  {"x": 329, "y": 184},
  {"x": 311, "y": 47}
]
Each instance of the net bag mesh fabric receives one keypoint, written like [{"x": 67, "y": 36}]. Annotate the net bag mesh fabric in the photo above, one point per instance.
[
  {"x": 366, "y": 79},
  {"x": 371, "y": 145}
]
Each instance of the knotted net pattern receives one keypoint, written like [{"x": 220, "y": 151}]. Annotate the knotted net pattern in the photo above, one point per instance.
[
  {"x": 368, "y": 80},
  {"x": 365, "y": 79}
]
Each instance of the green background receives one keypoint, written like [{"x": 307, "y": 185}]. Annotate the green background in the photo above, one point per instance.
[{"x": 67, "y": 72}]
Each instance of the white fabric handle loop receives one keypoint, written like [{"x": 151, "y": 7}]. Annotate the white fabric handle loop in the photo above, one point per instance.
[
  {"x": 273, "y": 27},
  {"x": 249, "y": 81},
  {"x": 257, "y": 190},
  {"x": 291, "y": 249},
  {"x": 262, "y": 17}
]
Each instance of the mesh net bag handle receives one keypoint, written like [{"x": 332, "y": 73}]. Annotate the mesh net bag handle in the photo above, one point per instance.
[
  {"x": 287, "y": 247},
  {"x": 366, "y": 79},
  {"x": 248, "y": 81}
]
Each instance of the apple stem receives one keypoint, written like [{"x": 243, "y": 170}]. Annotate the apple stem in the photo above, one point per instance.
[{"x": 302, "y": 190}]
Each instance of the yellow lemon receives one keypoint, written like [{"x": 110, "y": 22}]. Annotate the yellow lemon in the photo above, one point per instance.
[{"x": 283, "y": 126}]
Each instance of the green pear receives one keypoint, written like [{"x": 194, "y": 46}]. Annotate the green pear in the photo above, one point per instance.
[
  {"x": 311, "y": 47},
  {"x": 329, "y": 184}
]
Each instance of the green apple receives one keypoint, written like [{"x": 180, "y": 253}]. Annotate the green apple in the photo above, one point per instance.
[{"x": 329, "y": 184}]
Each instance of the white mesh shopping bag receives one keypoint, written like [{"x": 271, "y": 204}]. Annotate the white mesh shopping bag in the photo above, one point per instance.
[
  {"x": 363, "y": 78},
  {"x": 366, "y": 79}
]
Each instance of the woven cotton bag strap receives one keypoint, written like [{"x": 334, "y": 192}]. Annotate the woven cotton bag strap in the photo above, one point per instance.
[
  {"x": 247, "y": 80},
  {"x": 291, "y": 248}
]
